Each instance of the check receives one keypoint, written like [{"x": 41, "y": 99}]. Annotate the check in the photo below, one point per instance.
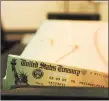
[{"x": 27, "y": 72}]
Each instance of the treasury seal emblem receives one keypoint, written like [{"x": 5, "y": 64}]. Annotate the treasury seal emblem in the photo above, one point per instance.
[{"x": 37, "y": 73}]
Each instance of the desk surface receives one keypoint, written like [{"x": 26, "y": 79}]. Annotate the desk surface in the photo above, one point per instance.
[{"x": 57, "y": 93}]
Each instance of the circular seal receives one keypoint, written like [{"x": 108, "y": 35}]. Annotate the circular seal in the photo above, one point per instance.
[{"x": 37, "y": 73}]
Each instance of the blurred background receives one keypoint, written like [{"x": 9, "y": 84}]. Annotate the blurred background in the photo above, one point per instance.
[
  {"x": 26, "y": 16},
  {"x": 21, "y": 19}
]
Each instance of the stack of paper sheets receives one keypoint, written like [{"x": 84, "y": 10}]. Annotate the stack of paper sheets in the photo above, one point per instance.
[{"x": 63, "y": 53}]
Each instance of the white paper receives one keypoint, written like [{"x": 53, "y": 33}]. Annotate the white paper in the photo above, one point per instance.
[{"x": 66, "y": 35}]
